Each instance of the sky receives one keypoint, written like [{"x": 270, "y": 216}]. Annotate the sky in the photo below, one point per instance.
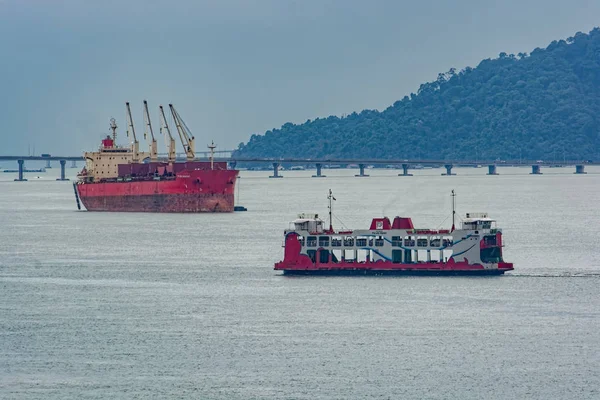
[{"x": 234, "y": 68}]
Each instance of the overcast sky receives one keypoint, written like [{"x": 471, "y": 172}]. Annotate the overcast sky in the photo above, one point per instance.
[{"x": 237, "y": 67}]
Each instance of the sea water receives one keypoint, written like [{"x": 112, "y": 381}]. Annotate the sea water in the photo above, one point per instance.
[{"x": 135, "y": 305}]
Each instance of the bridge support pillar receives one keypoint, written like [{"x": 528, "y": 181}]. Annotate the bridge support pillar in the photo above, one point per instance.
[
  {"x": 73, "y": 164},
  {"x": 404, "y": 170},
  {"x": 361, "y": 168},
  {"x": 62, "y": 171},
  {"x": 48, "y": 164},
  {"x": 448, "y": 170},
  {"x": 580, "y": 169},
  {"x": 275, "y": 171},
  {"x": 318, "y": 175},
  {"x": 492, "y": 170},
  {"x": 535, "y": 170},
  {"x": 20, "y": 178}
]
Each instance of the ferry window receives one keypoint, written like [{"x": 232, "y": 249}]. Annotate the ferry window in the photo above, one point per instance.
[
  {"x": 301, "y": 240},
  {"x": 324, "y": 256},
  {"x": 336, "y": 242},
  {"x": 312, "y": 254},
  {"x": 409, "y": 241},
  {"x": 361, "y": 242},
  {"x": 489, "y": 240},
  {"x": 323, "y": 241},
  {"x": 396, "y": 256},
  {"x": 490, "y": 255},
  {"x": 311, "y": 241},
  {"x": 336, "y": 255},
  {"x": 379, "y": 242},
  {"x": 349, "y": 255},
  {"x": 349, "y": 241},
  {"x": 422, "y": 242},
  {"x": 362, "y": 255}
]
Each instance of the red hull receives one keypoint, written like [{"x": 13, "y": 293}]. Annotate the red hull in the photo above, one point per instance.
[{"x": 191, "y": 191}]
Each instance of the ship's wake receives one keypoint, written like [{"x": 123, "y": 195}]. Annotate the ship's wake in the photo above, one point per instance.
[{"x": 555, "y": 274}]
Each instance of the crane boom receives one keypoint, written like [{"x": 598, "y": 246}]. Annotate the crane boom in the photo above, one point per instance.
[
  {"x": 186, "y": 137},
  {"x": 135, "y": 147},
  {"x": 148, "y": 124},
  {"x": 172, "y": 156}
]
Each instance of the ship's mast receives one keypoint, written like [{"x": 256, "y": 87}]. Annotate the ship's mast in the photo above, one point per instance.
[
  {"x": 113, "y": 127},
  {"x": 453, "y": 209},
  {"x": 148, "y": 124},
  {"x": 172, "y": 156},
  {"x": 135, "y": 147},
  {"x": 187, "y": 139},
  {"x": 330, "y": 198},
  {"x": 212, "y": 148}
]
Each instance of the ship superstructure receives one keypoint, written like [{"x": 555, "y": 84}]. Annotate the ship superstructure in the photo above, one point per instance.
[
  {"x": 117, "y": 178},
  {"x": 393, "y": 246}
]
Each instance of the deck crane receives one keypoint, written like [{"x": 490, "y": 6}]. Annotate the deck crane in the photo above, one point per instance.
[
  {"x": 163, "y": 124},
  {"x": 148, "y": 125},
  {"x": 136, "y": 145},
  {"x": 187, "y": 139}
]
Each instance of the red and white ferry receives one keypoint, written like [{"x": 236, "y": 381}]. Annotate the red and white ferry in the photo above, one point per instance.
[{"x": 392, "y": 247}]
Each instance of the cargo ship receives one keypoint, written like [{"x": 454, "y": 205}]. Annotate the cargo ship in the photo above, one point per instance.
[
  {"x": 119, "y": 178},
  {"x": 394, "y": 247}
]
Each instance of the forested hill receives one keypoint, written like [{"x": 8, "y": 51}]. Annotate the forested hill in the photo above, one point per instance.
[{"x": 543, "y": 105}]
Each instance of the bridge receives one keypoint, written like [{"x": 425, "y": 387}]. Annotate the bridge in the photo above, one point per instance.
[
  {"x": 406, "y": 164},
  {"x": 318, "y": 164}
]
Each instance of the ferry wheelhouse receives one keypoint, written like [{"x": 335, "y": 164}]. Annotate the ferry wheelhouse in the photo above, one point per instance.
[{"x": 394, "y": 246}]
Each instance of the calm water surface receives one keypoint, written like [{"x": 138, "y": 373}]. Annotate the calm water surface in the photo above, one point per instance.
[{"x": 101, "y": 305}]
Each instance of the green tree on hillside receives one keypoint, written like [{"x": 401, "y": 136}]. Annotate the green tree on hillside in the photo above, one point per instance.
[{"x": 542, "y": 105}]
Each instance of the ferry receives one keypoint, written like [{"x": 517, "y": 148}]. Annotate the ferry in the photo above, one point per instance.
[{"x": 393, "y": 247}]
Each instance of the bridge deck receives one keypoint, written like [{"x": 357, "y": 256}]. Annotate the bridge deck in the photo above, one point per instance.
[{"x": 345, "y": 161}]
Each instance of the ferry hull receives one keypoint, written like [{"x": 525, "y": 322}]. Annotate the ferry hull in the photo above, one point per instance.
[
  {"x": 413, "y": 272},
  {"x": 190, "y": 192},
  {"x": 387, "y": 268}
]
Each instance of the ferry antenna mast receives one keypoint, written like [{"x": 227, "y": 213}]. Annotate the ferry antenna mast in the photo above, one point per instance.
[
  {"x": 453, "y": 209},
  {"x": 330, "y": 198}
]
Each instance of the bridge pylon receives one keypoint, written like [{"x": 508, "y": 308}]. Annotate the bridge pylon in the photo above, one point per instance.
[
  {"x": 492, "y": 169},
  {"x": 62, "y": 171},
  {"x": 20, "y": 178},
  {"x": 448, "y": 170},
  {"x": 275, "y": 171},
  {"x": 405, "y": 171},
  {"x": 319, "y": 175},
  {"x": 361, "y": 168}
]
